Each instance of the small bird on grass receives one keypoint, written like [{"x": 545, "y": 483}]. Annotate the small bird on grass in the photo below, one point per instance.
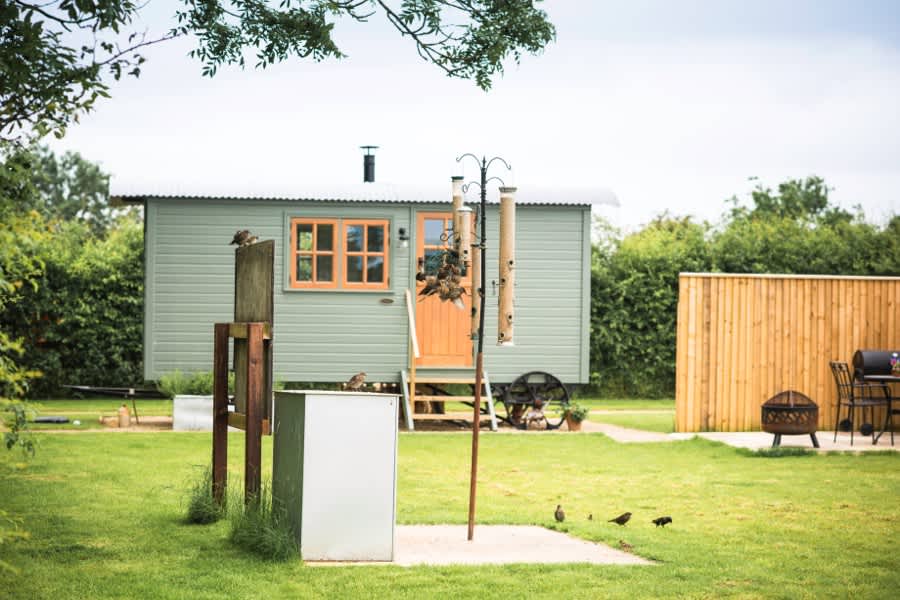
[
  {"x": 560, "y": 514},
  {"x": 625, "y": 546},
  {"x": 591, "y": 517},
  {"x": 621, "y": 519},
  {"x": 356, "y": 381},
  {"x": 661, "y": 521}
]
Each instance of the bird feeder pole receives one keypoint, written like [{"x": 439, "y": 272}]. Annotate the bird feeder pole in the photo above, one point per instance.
[{"x": 479, "y": 357}]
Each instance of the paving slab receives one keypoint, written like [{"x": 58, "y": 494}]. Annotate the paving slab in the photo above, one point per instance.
[
  {"x": 756, "y": 440},
  {"x": 417, "y": 545}
]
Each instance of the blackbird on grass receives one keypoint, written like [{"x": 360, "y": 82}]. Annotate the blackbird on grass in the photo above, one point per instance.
[
  {"x": 661, "y": 521},
  {"x": 621, "y": 519},
  {"x": 560, "y": 515}
]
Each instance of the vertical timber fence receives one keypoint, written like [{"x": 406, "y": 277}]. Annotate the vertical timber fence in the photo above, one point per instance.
[{"x": 743, "y": 338}]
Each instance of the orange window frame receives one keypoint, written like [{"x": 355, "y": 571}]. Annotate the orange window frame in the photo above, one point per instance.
[
  {"x": 365, "y": 253},
  {"x": 314, "y": 253}
]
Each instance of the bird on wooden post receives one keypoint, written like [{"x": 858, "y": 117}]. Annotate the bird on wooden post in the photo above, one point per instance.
[
  {"x": 243, "y": 238},
  {"x": 357, "y": 381},
  {"x": 559, "y": 515},
  {"x": 621, "y": 519}
]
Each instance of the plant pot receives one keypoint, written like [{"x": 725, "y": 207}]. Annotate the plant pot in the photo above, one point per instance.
[{"x": 572, "y": 424}]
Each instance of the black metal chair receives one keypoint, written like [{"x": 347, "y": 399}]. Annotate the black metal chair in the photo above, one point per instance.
[{"x": 858, "y": 396}]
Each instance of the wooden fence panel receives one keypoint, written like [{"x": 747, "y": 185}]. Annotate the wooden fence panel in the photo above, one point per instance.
[{"x": 741, "y": 339}]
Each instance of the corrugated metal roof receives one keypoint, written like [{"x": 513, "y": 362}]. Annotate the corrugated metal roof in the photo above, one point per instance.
[{"x": 364, "y": 192}]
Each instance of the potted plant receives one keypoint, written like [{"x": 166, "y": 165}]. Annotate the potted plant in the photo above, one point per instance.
[{"x": 575, "y": 414}]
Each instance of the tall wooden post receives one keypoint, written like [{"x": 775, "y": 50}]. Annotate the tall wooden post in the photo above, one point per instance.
[
  {"x": 255, "y": 387},
  {"x": 220, "y": 412},
  {"x": 507, "y": 266}
]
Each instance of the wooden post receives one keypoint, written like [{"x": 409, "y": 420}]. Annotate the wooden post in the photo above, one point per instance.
[
  {"x": 220, "y": 412},
  {"x": 507, "y": 266},
  {"x": 255, "y": 390}
]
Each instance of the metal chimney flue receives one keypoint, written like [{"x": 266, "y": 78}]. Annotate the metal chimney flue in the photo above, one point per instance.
[{"x": 369, "y": 163}]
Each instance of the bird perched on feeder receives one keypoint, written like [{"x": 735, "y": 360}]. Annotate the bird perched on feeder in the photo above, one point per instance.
[
  {"x": 244, "y": 238},
  {"x": 559, "y": 514},
  {"x": 432, "y": 285},
  {"x": 621, "y": 519},
  {"x": 357, "y": 381},
  {"x": 661, "y": 521}
]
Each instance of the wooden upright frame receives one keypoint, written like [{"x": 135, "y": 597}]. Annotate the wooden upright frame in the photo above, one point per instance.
[{"x": 252, "y": 334}]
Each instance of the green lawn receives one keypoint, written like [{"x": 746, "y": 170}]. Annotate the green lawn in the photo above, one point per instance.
[
  {"x": 627, "y": 404},
  {"x": 89, "y": 410},
  {"x": 105, "y": 516},
  {"x": 663, "y": 422}
]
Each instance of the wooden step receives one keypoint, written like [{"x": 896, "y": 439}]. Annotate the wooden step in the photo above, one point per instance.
[
  {"x": 464, "y": 380},
  {"x": 421, "y": 398},
  {"x": 456, "y": 416}
]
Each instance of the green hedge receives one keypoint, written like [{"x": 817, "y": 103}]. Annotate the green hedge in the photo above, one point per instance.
[
  {"x": 82, "y": 322},
  {"x": 634, "y": 280}
]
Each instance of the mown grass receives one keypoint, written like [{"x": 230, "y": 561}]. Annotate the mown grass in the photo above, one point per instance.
[
  {"x": 106, "y": 517},
  {"x": 89, "y": 410},
  {"x": 648, "y": 421},
  {"x": 626, "y": 404}
]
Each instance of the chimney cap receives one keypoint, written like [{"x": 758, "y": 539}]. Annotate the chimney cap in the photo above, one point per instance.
[{"x": 368, "y": 149}]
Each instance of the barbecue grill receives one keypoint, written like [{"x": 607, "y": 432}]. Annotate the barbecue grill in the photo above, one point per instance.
[{"x": 790, "y": 413}]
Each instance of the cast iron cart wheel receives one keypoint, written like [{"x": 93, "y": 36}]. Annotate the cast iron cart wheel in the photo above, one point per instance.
[{"x": 532, "y": 390}]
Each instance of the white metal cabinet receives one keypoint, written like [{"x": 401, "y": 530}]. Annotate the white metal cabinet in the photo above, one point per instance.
[{"x": 335, "y": 472}]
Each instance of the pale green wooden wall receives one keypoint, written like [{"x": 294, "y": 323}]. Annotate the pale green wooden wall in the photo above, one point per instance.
[{"x": 328, "y": 336}]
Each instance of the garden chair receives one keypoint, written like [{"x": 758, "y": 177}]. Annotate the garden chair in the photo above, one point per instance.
[{"x": 858, "y": 396}]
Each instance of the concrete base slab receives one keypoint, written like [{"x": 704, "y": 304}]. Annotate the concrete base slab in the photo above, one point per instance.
[
  {"x": 755, "y": 440},
  {"x": 495, "y": 545}
]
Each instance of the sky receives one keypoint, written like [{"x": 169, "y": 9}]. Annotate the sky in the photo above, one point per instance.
[{"x": 671, "y": 104}]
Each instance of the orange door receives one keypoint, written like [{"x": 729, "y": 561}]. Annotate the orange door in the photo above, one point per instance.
[{"x": 442, "y": 328}]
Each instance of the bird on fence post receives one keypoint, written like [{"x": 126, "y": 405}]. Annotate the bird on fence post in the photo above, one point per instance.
[
  {"x": 559, "y": 515},
  {"x": 621, "y": 519},
  {"x": 357, "y": 381},
  {"x": 243, "y": 238}
]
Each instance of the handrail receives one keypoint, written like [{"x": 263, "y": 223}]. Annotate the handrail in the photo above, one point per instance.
[{"x": 411, "y": 320}]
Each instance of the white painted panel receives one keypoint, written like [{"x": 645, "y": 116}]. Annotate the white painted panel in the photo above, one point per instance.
[{"x": 349, "y": 476}]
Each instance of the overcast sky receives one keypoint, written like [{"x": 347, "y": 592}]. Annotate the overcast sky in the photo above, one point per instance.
[{"x": 670, "y": 104}]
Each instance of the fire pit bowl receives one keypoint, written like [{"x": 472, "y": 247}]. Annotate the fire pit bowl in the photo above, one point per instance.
[{"x": 790, "y": 413}]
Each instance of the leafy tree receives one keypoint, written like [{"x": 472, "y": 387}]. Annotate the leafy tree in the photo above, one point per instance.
[
  {"x": 65, "y": 188},
  {"x": 72, "y": 188},
  {"x": 54, "y": 54},
  {"x": 796, "y": 199}
]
